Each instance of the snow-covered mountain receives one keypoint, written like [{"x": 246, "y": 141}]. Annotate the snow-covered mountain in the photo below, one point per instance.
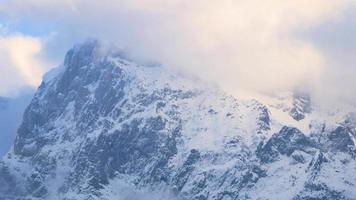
[
  {"x": 104, "y": 127},
  {"x": 11, "y": 111}
]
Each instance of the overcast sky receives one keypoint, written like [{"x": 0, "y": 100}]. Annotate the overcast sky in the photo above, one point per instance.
[{"x": 253, "y": 45}]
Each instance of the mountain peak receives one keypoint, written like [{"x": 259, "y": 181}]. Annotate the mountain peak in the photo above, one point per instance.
[
  {"x": 84, "y": 53},
  {"x": 104, "y": 121}
]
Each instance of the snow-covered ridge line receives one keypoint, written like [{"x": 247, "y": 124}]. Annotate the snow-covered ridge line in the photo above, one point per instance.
[{"x": 102, "y": 122}]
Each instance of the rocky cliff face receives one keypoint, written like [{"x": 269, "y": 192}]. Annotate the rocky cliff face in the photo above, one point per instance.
[
  {"x": 301, "y": 106},
  {"x": 103, "y": 127}
]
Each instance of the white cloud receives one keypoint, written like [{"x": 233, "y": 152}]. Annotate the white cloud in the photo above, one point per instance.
[
  {"x": 20, "y": 66},
  {"x": 242, "y": 45}
]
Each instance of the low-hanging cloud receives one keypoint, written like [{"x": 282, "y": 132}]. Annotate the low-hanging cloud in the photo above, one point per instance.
[
  {"x": 242, "y": 45},
  {"x": 19, "y": 65}
]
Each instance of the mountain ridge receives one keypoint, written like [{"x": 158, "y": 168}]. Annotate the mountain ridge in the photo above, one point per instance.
[{"x": 101, "y": 122}]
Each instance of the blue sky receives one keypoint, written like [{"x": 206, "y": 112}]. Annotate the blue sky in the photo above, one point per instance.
[{"x": 267, "y": 45}]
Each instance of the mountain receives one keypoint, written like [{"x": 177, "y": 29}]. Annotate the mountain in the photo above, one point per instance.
[
  {"x": 102, "y": 126},
  {"x": 11, "y": 111}
]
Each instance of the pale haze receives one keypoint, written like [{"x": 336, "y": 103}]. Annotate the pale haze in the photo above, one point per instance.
[{"x": 244, "y": 46}]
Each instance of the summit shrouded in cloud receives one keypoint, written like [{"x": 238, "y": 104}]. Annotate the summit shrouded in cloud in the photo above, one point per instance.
[
  {"x": 251, "y": 46},
  {"x": 180, "y": 100},
  {"x": 104, "y": 127}
]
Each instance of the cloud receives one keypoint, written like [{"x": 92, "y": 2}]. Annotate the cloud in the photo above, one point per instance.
[
  {"x": 19, "y": 66},
  {"x": 242, "y": 45},
  {"x": 336, "y": 42}
]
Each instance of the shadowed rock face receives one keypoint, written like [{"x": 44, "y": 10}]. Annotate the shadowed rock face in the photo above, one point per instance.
[
  {"x": 103, "y": 118},
  {"x": 301, "y": 106},
  {"x": 285, "y": 142},
  {"x": 341, "y": 139}
]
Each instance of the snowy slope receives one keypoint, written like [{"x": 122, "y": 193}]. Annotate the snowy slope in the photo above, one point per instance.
[{"x": 104, "y": 127}]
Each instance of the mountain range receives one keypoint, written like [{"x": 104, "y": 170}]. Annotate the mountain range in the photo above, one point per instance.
[{"x": 103, "y": 126}]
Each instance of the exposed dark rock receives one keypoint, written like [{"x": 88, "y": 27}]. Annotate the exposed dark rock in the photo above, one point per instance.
[
  {"x": 285, "y": 142},
  {"x": 102, "y": 118},
  {"x": 301, "y": 106}
]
